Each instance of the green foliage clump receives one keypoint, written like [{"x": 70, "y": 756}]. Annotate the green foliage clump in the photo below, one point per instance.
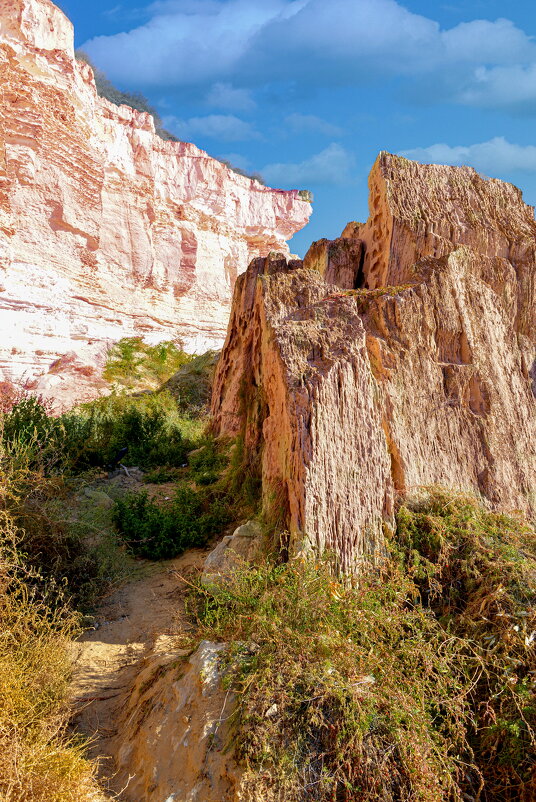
[
  {"x": 161, "y": 531},
  {"x": 414, "y": 682},
  {"x": 149, "y": 426},
  {"x": 30, "y": 434},
  {"x": 191, "y": 385},
  {"x": 347, "y": 693},
  {"x": 133, "y": 363},
  {"x": 207, "y": 462},
  {"x": 476, "y": 570}
]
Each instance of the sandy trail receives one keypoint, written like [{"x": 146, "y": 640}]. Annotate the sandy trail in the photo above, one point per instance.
[{"x": 108, "y": 657}]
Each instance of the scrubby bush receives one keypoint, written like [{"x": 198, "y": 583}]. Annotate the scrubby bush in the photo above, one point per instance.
[
  {"x": 39, "y": 762},
  {"x": 207, "y": 462},
  {"x": 136, "y": 100},
  {"x": 63, "y": 536},
  {"x": 30, "y": 432},
  {"x": 416, "y": 682},
  {"x": 132, "y": 362},
  {"x": 191, "y": 385},
  {"x": 148, "y": 426},
  {"x": 161, "y": 531},
  {"x": 476, "y": 570}
]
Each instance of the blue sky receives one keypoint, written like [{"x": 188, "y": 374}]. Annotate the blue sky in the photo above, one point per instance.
[{"x": 307, "y": 92}]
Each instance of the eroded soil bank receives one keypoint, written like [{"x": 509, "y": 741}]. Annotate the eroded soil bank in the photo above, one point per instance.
[{"x": 128, "y": 625}]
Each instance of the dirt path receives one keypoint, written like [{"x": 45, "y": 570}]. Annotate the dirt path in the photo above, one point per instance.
[{"x": 108, "y": 657}]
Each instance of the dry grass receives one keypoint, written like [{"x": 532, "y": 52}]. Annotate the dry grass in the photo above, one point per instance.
[
  {"x": 413, "y": 685},
  {"x": 344, "y": 693},
  {"x": 39, "y": 762}
]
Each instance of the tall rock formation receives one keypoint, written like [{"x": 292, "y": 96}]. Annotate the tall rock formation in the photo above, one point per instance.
[
  {"x": 106, "y": 230},
  {"x": 418, "y": 368}
]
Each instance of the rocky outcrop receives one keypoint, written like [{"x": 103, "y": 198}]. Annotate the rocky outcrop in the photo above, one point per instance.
[
  {"x": 234, "y": 551},
  {"x": 106, "y": 230},
  {"x": 423, "y": 373},
  {"x": 172, "y": 739}
]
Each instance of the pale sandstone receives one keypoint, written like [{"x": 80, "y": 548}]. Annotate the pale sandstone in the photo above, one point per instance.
[
  {"x": 234, "y": 551},
  {"x": 106, "y": 230},
  {"x": 351, "y": 397},
  {"x": 337, "y": 260},
  {"x": 174, "y": 729}
]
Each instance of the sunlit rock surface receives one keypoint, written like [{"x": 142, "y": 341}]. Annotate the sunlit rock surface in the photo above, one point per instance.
[
  {"x": 106, "y": 230},
  {"x": 421, "y": 374}
]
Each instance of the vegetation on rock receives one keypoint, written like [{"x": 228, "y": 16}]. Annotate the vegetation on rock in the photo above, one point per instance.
[
  {"x": 133, "y": 363},
  {"x": 415, "y": 682},
  {"x": 136, "y": 100}
]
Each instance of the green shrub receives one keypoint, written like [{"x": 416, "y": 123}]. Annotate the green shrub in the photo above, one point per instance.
[
  {"x": 191, "y": 385},
  {"x": 29, "y": 428},
  {"x": 62, "y": 534},
  {"x": 132, "y": 362},
  {"x": 159, "y": 532},
  {"x": 148, "y": 425},
  {"x": 208, "y": 461},
  {"x": 476, "y": 570},
  {"x": 346, "y": 693},
  {"x": 91, "y": 435}
]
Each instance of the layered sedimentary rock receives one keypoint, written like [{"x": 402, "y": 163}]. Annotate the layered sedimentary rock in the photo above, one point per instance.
[
  {"x": 106, "y": 230},
  {"x": 418, "y": 369}
]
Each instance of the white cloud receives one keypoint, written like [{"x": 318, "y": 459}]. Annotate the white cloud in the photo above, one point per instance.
[
  {"x": 225, "y": 127},
  {"x": 512, "y": 86},
  {"x": 184, "y": 42},
  {"x": 224, "y": 96},
  {"x": 345, "y": 42},
  {"x": 495, "y": 157},
  {"x": 310, "y": 123},
  {"x": 485, "y": 42},
  {"x": 331, "y": 166}
]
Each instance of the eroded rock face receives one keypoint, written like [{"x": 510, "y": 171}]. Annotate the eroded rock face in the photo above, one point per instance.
[
  {"x": 422, "y": 375},
  {"x": 174, "y": 730},
  {"x": 106, "y": 230},
  {"x": 243, "y": 547}
]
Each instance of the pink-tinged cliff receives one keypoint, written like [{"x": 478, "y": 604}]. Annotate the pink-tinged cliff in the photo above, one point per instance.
[{"x": 106, "y": 230}]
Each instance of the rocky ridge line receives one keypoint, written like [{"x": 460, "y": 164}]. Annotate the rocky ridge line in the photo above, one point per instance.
[
  {"x": 106, "y": 230},
  {"x": 416, "y": 366}
]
